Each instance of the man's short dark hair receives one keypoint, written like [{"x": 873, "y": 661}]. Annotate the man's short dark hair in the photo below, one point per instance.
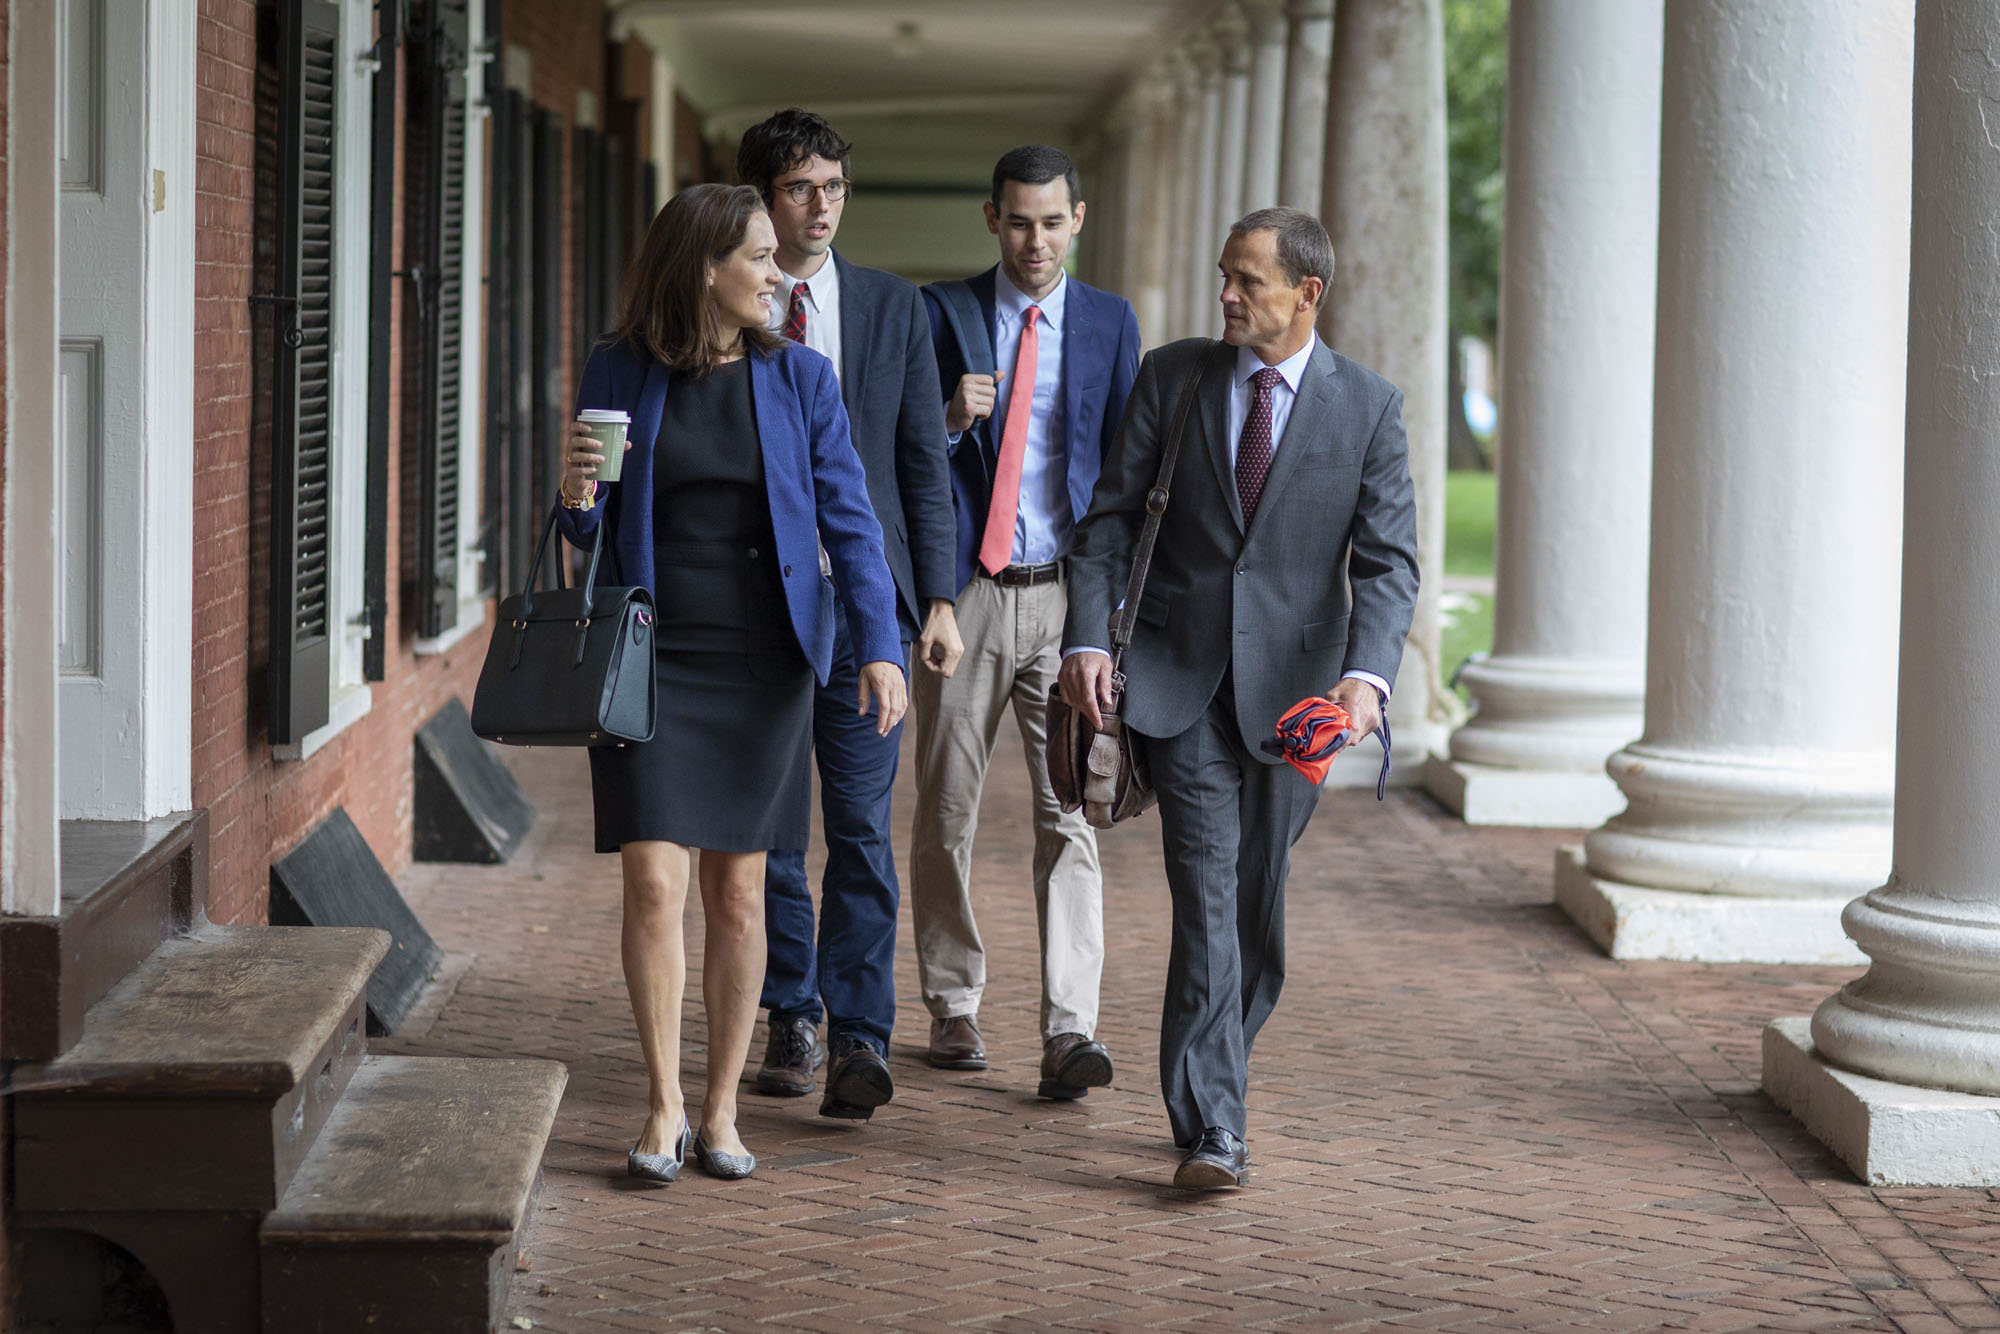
[
  {"x": 785, "y": 142},
  {"x": 1304, "y": 249},
  {"x": 1035, "y": 164}
]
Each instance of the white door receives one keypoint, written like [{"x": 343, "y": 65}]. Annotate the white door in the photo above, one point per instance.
[{"x": 124, "y": 407}]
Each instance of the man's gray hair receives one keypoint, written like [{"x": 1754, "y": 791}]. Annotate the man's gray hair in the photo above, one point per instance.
[{"x": 1304, "y": 249}]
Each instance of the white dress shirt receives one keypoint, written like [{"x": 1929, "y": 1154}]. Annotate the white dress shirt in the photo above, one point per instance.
[
  {"x": 822, "y": 309},
  {"x": 1043, "y": 521},
  {"x": 1243, "y": 393}
]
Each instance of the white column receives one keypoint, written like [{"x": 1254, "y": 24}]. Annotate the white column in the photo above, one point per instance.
[
  {"x": 1565, "y": 685},
  {"x": 1264, "y": 140},
  {"x": 1308, "y": 62},
  {"x": 1926, "y": 1017},
  {"x": 1149, "y": 197},
  {"x": 1183, "y": 140},
  {"x": 1202, "y": 316},
  {"x": 1232, "y": 42},
  {"x": 1386, "y": 309},
  {"x": 1760, "y": 792}
]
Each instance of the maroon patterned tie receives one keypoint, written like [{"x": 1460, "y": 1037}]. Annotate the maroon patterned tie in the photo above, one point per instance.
[
  {"x": 1253, "y": 450},
  {"x": 795, "y": 314}
]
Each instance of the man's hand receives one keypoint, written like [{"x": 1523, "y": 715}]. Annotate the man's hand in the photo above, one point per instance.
[
  {"x": 939, "y": 647},
  {"x": 1363, "y": 704},
  {"x": 973, "y": 401},
  {"x": 882, "y": 684},
  {"x": 1085, "y": 684}
]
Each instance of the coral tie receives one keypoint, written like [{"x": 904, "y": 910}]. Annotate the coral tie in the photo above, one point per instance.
[
  {"x": 1253, "y": 450},
  {"x": 996, "y": 548},
  {"x": 795, "y": 314}
]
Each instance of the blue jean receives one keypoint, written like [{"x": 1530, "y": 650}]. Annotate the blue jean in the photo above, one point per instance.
[{"x": 851, "y": 969}]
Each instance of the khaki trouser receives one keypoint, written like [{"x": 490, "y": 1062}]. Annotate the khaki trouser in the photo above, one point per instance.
[{"x": 1013, "y": 650}]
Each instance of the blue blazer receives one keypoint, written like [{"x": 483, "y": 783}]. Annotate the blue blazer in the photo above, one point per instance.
[
  {"x": 1100, "y": 360},
  {"x": 817, "y": 493}
]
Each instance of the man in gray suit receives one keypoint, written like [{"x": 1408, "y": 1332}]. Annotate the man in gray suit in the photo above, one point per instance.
[{"x": 1293, "y": 486}]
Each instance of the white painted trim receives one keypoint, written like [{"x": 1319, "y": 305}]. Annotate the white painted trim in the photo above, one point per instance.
[
  {"x": 349, "y": 706},
  {"x": 353, "y": 170},
  {"x": 30, "y": 780},
  {"x": 450, "y": 639},
  {"x": 167, "y": 687},
  {"x": 471, "y": 337}
]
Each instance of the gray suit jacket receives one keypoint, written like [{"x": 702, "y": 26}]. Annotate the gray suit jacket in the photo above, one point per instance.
[{"x": 1272, "y": 604}]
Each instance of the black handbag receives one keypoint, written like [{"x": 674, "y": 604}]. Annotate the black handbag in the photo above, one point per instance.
[{"x": 568, "y": 666}]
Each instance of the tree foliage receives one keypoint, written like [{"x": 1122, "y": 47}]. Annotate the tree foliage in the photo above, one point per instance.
[{"x": 1475, "y": 85}]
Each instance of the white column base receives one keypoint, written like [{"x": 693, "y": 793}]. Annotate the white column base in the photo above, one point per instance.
[
  {"x": 1889, "y": 1134},
  {"x": 1539, "y": 798},
  {"x": 1629, "y": 922}
]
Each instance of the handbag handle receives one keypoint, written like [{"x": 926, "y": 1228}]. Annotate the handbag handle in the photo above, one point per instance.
[
  {"x": 1156, "y": 506},
  {"x": 542, "y": 549}
]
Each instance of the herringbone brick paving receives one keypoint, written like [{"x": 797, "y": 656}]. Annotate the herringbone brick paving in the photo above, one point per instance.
[{"x": 1463, "y": 1117}]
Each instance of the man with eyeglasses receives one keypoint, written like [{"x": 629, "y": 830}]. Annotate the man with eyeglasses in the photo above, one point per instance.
[
  {"x": 1037, "y": 367},
  {"x": 871, "y": 326}
]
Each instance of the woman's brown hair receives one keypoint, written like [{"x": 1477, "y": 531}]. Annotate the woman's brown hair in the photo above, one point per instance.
[{"x": 667, "y": 311}]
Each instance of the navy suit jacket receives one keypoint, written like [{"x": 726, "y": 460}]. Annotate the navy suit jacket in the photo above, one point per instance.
[
  {"x": 889, "y": 380},
  {"x": 1100, "y": 360},
  {"x": 814, "y": 481}
]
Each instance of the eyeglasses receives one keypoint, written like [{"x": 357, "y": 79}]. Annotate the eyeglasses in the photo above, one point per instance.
[{"x": 801, "y": 192}]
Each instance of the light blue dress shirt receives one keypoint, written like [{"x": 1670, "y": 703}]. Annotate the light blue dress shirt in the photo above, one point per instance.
[{"x": 1043, "y": 523}]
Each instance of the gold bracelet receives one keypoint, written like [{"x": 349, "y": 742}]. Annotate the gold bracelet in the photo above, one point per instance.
[{"x": 586, "y": 503}]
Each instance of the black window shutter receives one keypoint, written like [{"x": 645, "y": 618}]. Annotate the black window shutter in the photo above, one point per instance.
[
  {"x": 438, "y": 100},
  {"x": 381, "y": 277},
  {"x": 302, "y": 435}
]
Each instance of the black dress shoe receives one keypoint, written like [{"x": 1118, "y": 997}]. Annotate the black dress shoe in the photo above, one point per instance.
[
  {"x": 1072, "y": 1065},
  {"x": 1217, "y": 1161},
  {"x": 857, "y": 1081},
  {"x": 790, "y": 1057}
]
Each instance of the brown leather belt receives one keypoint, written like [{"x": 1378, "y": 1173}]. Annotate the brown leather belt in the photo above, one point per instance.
[{"x": 1021, "y": 576}]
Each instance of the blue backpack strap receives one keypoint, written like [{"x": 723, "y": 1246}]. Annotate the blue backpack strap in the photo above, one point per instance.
[{"x": 967, "y": 319}]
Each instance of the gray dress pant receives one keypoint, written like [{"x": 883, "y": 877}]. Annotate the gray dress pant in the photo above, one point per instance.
[{"x": 1228, "y": 822}]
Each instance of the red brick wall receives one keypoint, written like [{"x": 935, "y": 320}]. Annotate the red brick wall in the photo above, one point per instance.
[
  {"x": 567, "y": 49},
  {"x": 260, "y": 807}
]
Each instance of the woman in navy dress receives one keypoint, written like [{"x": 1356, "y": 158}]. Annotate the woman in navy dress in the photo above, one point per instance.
[{"x": 738, "y": 469}]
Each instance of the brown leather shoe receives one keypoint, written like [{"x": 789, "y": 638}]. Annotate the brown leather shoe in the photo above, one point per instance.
[
  {"x": 791, "y": 1055},
  {"x": 956, "y": 1044},
  {"x": 1072, "y": 1065}
]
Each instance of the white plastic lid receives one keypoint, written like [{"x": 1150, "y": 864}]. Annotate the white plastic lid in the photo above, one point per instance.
[{"x": 594, "y": 416}]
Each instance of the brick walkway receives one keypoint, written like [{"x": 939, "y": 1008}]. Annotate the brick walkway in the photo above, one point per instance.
[{"x": 1462, "y": 1116}]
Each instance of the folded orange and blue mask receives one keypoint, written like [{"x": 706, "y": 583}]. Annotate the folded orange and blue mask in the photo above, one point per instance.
[{"x": 1313, "y": 731}]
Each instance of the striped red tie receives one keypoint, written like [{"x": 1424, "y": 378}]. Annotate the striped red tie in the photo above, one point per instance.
[{"x": 795, "y": 314}]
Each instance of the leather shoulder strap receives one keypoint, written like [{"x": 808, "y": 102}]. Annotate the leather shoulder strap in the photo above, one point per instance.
[{"x": 1156, "y": 506}]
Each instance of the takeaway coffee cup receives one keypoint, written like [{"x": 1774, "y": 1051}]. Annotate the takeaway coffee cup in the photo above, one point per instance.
[{"x": 608, "y": 427}]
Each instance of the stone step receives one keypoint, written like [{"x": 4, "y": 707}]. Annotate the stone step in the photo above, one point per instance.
[
  {"x": 202, "y": 1079},
  {"x": 407, "y": 1213}
]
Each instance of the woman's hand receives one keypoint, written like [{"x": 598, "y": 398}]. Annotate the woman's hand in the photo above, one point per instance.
[
  {"x": 882, "y": 683},
  {"x": 581, "y": 455}
]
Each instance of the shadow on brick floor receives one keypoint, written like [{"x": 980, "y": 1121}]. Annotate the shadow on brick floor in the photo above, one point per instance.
[{"x": 1463, "y": 1117}]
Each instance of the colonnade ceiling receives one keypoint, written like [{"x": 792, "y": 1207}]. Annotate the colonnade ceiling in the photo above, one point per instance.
[{"x": 931, "y": 93}]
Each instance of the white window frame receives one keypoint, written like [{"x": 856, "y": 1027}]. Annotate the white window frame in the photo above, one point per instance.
[
  {"x": 471, "y": 339},
  {"x": 354, "y": 106}
]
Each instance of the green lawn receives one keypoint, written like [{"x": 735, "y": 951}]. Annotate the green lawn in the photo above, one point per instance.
[{"x": 1468, "y": 550}]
